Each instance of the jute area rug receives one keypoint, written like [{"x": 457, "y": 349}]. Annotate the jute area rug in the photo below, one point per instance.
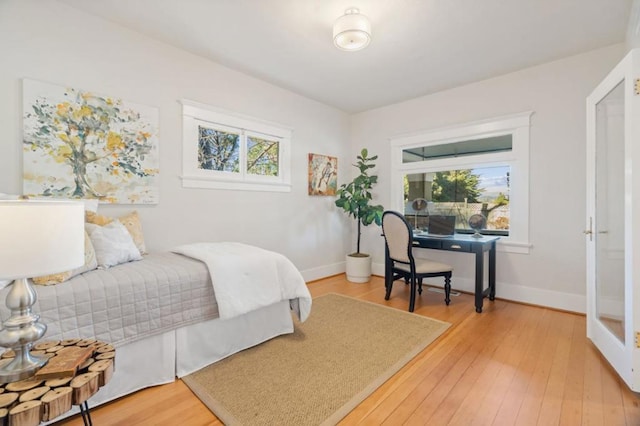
[{"x": 317, "y": 375}]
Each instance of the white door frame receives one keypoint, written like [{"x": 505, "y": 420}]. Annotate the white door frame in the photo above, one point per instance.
[{"x": 625, "y": 357}]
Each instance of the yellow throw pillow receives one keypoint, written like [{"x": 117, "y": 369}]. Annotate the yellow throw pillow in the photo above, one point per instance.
[
  {"x": 52, "y": 279},
  {"x": 96, "y": 219},
  {"x": 131, "y": 221},
  {"x": 90, "y": 263}
]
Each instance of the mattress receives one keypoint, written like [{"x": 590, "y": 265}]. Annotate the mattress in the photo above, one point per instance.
[{"x": 127, "y": 302}]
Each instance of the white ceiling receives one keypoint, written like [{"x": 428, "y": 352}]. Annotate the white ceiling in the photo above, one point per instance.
[{"x": 418, "y": 46}]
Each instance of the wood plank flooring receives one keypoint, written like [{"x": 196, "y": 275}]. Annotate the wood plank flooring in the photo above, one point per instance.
[{"x": 511, "y": 365}]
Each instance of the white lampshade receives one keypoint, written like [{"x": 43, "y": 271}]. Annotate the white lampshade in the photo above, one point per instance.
[
  {"x": 352, "y": 31},
  {"x": 40, "y": 237}
]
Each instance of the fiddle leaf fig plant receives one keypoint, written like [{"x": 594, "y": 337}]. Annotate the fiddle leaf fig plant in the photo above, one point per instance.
[{"x": 355, "y": 197}]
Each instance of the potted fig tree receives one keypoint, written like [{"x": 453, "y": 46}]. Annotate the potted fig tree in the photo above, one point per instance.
[{"x": 355, "y": 199}]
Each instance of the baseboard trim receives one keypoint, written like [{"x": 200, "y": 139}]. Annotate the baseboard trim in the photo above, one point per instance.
[
  {"x": 532, "y": 296},
  {"x": 535, "y": 296},
  {"x": 320, "y": 272}
]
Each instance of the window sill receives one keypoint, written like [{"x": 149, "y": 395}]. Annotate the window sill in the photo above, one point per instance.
[{"x": 208, "y": 183}]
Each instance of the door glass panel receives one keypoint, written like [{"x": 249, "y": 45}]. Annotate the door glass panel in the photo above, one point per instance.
[{"x": 609, "y": 223}]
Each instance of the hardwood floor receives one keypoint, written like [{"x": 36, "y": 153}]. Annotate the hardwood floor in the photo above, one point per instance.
[{"x": 511, "y": 365}]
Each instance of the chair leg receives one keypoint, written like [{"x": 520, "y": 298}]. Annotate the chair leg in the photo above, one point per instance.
[
  {"x": 412, "y": 298},
  {"x": 447, "y": 289},
  {"x": 388, "y": 285},
  {"x": 420, "y": 286}
]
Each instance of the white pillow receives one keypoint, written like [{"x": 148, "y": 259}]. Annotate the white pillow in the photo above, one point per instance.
[{"x": 113, "y": 244}]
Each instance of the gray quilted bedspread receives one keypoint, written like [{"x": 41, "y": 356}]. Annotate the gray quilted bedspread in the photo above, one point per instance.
[{"x": 127, "y": 302}]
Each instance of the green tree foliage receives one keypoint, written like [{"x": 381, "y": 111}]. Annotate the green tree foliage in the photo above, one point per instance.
[
  {"x": 501, "y": 199},
  {"x": 262, "y": 157},
  {"x": 218, "y": 150},
  {"x": 456, "y": 186},
  {"x": 87, "y": 129},
  {"x": 355, "y": 197}
]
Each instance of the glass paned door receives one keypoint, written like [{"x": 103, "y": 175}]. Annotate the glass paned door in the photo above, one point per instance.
[
  {"x": 608, "y": 226},
  {"x": 613, "y": 242}
]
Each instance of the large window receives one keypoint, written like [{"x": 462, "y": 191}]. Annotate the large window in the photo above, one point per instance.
[
  {"x": 476, "y": 168},
  {"x": 461, "y": 193},
  {"x": 227, "y": 151}
]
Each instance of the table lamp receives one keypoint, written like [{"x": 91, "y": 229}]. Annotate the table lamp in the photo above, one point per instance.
[{"x": 36, "y": 238}]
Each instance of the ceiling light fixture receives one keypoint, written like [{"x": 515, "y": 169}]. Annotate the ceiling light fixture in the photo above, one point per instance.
[{"x": 352, "y": 31}]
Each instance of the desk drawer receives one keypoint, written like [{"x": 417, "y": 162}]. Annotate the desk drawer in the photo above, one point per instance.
[
  {"x": 432, "y": 244},
  {"x": 456, "y": 246}
]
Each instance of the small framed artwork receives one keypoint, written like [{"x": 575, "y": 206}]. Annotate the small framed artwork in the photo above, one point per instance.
[{"x": 323, "y": 174}]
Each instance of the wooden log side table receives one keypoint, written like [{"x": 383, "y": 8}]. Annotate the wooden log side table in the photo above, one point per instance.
[{"x": 76, "y": 370}]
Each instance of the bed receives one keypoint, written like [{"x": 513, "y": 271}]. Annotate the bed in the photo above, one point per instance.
[{"x": 162, "y": 316}]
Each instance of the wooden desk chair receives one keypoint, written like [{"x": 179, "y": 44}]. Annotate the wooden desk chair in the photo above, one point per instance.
[{"x": 400, "y": 262}]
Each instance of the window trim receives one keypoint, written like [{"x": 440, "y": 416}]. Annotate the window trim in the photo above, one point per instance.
[
  {"x": 195, "y": 113},
  {"x": 517, "y": 125}
]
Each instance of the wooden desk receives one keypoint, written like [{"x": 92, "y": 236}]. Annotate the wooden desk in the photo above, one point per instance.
[{"x": 468, "y": 244}]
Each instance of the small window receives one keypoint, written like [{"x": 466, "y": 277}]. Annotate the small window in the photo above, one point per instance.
[
  {"x": 228, "y": 151},
  {"x": 218, "y": 150},
  {"x": 263, "y": 156}
]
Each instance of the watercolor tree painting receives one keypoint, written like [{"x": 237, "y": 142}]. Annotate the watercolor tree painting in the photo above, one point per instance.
[{"x": 82, "y": 145}]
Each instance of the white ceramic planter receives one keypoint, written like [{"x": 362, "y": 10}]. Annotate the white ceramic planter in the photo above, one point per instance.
[{"x": 359, "y": 268}]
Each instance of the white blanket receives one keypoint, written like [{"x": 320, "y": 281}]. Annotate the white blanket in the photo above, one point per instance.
[{"x": 246, "y": 278}]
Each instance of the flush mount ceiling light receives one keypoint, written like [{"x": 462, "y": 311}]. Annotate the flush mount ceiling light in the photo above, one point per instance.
[{"x": 352, "y": 31}]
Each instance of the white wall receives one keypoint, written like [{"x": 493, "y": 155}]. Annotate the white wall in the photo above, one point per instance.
[
  {"x": 553, "y": 273},
  {"x": 633, "y": 28},
  {"x": 50, "y": 41}
]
